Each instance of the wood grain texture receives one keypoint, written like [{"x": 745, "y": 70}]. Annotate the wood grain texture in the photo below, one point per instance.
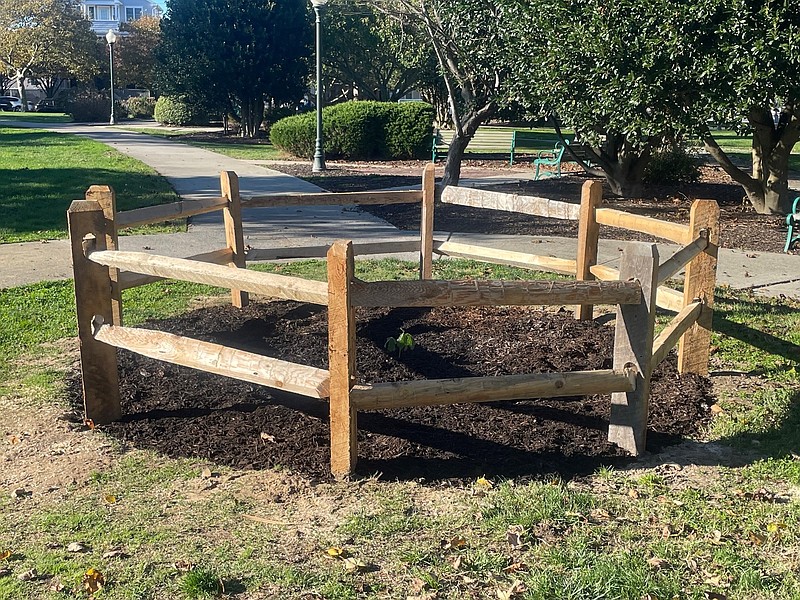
[
  {"x": 505, "y": 257},
  {"x": 588, "y": 237},
  {"x": 169, "y": 212},
  {"x": 529, "y": 205},
  {"x": 666, "y": 298},
  {"x": 701, "y": 275},
  {"x": 269, "y": 284},
  {"x": 633, "y": 345},
  {"x": 662, "y": 229},
  {"x": 234, "y": 235},
  {"x": 218, "y": 359},
  {"x": 493, "y": 293},
  {"x": 334, "y": 199},
  {"x": 426, "y": 223},
  {"x": 435, "y": 392},
  {"x": 670, "y": 335},
  {"x": 128, "y": 279},
  {"x": 93, "y": 297},
  {"x": 675, "y": 263},
  {"x": 321, "y": 251},
  {"x": 342, "y": 358},
  {"x": 105, "y": 197}
]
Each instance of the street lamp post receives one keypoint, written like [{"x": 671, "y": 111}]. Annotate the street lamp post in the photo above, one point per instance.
[
  {"x": 111, "y": 37},
  {"x": 319, "y": 154}
]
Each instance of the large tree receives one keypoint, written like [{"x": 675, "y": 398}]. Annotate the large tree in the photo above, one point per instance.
[
  {"x": 42, "y": 37},
  {"x": 466, "y": 36},
  {"x": 381, "y": 57},
  {"x": 236, "y": 54},
  {"x": 134, "y": 56}
]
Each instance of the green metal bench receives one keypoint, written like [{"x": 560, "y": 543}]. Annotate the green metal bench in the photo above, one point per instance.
[
  {"x": 528, "y": 140},
  {"x": 549, "y": 158},
  {"x": 793, "y": 221},
  {"x": 486, "y": 139}
]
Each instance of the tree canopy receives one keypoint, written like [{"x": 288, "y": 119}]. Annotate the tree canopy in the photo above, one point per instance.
[
  {"x": 135, "y": 52},
  {"x": 236, "y": 54}
]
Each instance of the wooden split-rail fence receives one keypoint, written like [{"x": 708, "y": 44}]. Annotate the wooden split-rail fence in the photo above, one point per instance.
[{"x": 102, "y": 272}]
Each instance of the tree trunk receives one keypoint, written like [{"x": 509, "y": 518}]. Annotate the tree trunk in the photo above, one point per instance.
[
  {"x": 767, "y": 189},
  {"x": 455, "y": 154},
  {"x": 252, "y": 116},
  {"x": 21, "y": 89}
]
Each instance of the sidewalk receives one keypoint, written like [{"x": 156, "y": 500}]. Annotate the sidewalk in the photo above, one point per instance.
[{"x": 194, "y": 173}]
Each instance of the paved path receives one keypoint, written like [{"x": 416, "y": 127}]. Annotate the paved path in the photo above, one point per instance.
[{"x": 194, "y": 173}]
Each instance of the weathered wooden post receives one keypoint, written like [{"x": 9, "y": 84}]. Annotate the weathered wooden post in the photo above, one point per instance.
[
  {"x": 426, "y": 223},
  {"x": 633, "y": 345},
  {"x": 104, "y": 195},
  {"x": 342, "y": 358},
  {"x": 695, "y": 345},
  {"x": 93, "y": 297},
  {"x": 234, "y": 234},
  {"x": 588, "y": 236}
]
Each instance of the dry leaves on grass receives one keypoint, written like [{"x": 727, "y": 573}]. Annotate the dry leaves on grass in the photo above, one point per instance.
[{"x": 93, "y": 581}]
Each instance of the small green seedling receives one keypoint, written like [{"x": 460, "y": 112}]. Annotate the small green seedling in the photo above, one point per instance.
[{"x": 404, "y": 341}]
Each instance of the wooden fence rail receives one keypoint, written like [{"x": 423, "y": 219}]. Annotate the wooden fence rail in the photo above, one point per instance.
[{"x": 102, "y": 272}]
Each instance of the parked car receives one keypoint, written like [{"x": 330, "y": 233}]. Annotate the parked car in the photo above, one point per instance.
[
  {"x": 49, "y": 105},
  {"x": 10, "y": 103}
]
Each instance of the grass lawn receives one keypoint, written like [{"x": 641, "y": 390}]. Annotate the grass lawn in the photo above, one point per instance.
[
  {"x": 235, "y": 148},
  {"x": 43, "y": 172},
  {"x": 157, "y": 527},
  {"x": 35, "y": 117}
]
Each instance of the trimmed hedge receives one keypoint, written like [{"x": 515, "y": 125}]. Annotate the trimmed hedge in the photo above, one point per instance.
[
  {"x": 360, "y": 130},
  {"x": 91, "y": 106},
  {"x": 139, "y": 107},
  {"x": 173, "y": 110},
  {"x": 674, "y": 165}
]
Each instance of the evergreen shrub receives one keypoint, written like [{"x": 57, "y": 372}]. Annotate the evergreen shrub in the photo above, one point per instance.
[
  {"x": 174, "y": 110},
  {"x": 674, "y": 165}
]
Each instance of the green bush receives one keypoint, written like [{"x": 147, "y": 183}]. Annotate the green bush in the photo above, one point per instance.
[
  {"x": 173, "y": 110},
  {"x": 359, "y": 130},
  {"x": 91, "y": 106},
  {"x": 139, "y": 107},
  {"x": 674, "y": 165}
]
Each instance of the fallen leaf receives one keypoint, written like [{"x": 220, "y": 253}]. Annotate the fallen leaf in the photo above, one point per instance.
[
  {"x": 114, "y": 553},
  {"x": 183, "y": 566},
  {"x": 417, "y": 586},
  {"x": 757, "y": 538},
  {"x": 206, "y": 473},
  {"x": 13, "y": 440},
  {"x": 88, "y": 423},
  {"x": 267, "y": 437},
  {"x": 335, "y": 552},
  {"x": 457, "y": 563},
  {"x": 517, "y": 588},
  {"x": 5, "y": 554},
  {"x": 774, "y": 527},
  {"x": 714, "y": 596},
  {"x": 716, "y": 537},
  {"x": 454, "y": 543},
  {"x": 658, "y": 563},
  {"x": 110, "y": 499},
  {"x": 5, "y": 572},
  {"x": 516, "y": 567},
  {"x": 27, "y": 575},
  {"x": 77, "y": 547},
  {"x": 354, "y": 565},
  {"x": 56, "y": 585},
  {"x": 514, "y": 536},
  {"x": 717, "y": 409},
  {"x": 93, "y": 580}
]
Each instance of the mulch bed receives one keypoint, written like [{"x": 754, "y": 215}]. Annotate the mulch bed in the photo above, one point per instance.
[{"x": 183, "y": 412}]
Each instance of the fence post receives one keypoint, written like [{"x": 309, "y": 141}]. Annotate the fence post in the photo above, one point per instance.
[
  {"x": 234, "y": 235},
  {"x": 342, "y": 358},
  {"x": 633, "y": 345},
  {"x": 588, "y": 235},
  {"x": 93, "y": 297},
  {"x": 426, "y": 223},
  {"x": 104, "y": 195},
  {"x": 701, "y": 274}
]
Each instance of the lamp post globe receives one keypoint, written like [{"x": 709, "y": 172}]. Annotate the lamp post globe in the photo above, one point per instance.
[
  {"x": 319, "y": 155},
  {"x": 111, "y": 38}
]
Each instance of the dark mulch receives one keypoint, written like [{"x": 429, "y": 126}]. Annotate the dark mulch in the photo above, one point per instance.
[
  {"x": 182, "y": 412},
  {"x": 740, "y": 226}
]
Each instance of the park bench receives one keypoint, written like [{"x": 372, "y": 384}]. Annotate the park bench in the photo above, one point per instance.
[
  {"x": 549, "y": 158},
  {"x": 528, "y": 140},
  {"x": 793, "y": 221},
  {"x": 486, "y": 139}
]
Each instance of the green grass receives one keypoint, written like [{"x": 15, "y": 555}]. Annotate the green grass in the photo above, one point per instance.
[
  {"x": 31, "y": 117},
  {"x": 234, "y": 148},
  {"x": 43, "y": 172}
]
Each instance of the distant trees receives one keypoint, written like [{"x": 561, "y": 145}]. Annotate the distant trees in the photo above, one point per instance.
[
  {"x": 134, "y": 56},
  {"x": 45, "y": 38},
  {"x": 236, "y": 54}
]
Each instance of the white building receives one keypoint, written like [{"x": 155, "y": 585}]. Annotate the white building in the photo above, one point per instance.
[{"x": 110, "y": 14}]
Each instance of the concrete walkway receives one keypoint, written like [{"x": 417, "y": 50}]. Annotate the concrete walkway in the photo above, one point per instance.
[{"x": 194, "y": 173}]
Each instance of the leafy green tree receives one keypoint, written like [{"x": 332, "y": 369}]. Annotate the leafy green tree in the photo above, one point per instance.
[
  {"x": 134, "y": 55},
  {"x": 45, "y": 37},
  {"x": 235, "y": 54},
  {"x": 466, "y": 37},
  {"x": 382, "y": 57}
]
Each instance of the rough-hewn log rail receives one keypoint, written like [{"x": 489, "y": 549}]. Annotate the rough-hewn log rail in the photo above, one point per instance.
[
  {"x": 673, "y": 332},
  {"x": 269, "y": 284},
  {"x": 505, "y": 257},
  {"x": 530, "y": 205},
  {"x": 494, "y": 293},
  {"x": 257, "y": 254},
  {"x": 665, "y": 298},
  {"x": 674, "y": 264},
  {"x": 333, "y": 199},
  {"x": 129, "y": 279},
  {"x": 434, "y": 392},
  {"x": 662, "y": 229},
  {"x": 168, "y": 212},
  {"x": 215, "y": 358}
]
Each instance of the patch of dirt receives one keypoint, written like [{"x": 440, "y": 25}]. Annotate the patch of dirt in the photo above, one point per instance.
[
  {"x": 182, "y": 412},
  {"x": 741, "y": 227}
]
